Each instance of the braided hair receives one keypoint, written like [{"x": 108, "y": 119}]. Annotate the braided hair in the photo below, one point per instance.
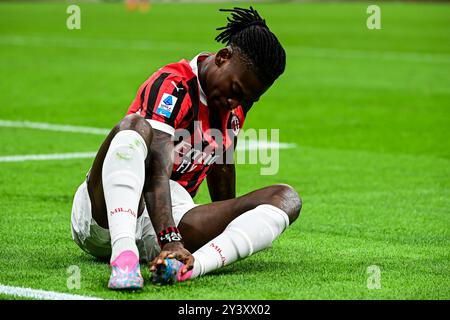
[{"x": 247, "y": 33}]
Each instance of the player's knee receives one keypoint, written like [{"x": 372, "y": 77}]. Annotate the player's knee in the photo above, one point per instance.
[
  {"x": 288, "y": 200},
  {"x": 139, "y": 124}
]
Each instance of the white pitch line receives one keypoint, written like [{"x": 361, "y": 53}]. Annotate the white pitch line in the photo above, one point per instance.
[
  {"x": 53, "y": 156},
  {"x": 53, "y": 127},
  {"x": 241, "y": 147},
  {"x": 41, "y": 294},
  {"x": 249, "y": 145}
]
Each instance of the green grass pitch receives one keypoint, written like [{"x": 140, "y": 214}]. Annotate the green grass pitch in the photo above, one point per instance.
[{"x": 369, "y": 111}]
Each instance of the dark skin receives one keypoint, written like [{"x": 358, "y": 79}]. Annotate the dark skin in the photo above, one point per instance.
[
  {"x": 227, "y": 83},
  {"x": 222, "y": 182}
]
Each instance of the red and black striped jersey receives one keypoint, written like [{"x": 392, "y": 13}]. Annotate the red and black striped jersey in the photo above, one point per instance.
[{"x": 173, "y": 101}]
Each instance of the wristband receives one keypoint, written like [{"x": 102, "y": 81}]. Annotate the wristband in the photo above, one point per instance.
[{"x": 170, "y": 234}]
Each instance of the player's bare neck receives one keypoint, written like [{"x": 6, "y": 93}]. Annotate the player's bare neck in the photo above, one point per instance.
[{"x": 203, "y": 71}]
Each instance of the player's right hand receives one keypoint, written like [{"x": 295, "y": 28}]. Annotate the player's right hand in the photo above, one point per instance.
[{"x": 177, "y": 251}]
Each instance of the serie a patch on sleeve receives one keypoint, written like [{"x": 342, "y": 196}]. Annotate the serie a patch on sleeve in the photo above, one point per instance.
[{"x": 166, "y": 105}]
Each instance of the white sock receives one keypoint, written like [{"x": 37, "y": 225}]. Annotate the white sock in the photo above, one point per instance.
[
  {"x": 123, "y": 176},
  {"x": 251, "y": 232}
]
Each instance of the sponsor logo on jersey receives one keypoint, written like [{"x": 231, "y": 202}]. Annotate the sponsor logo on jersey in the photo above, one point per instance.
[
  {"x": 188, "y": 158},
  {"x": 166, "y": 105}
]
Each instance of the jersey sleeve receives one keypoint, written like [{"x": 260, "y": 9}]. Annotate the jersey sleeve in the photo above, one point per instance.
[{"x": 165, "y": 102}]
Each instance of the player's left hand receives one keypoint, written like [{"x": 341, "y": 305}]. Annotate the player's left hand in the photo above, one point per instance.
[{"x": 177, "y": 251}]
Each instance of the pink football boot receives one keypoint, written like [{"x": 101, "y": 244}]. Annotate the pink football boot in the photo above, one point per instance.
[{"x": 126, "y": 272}]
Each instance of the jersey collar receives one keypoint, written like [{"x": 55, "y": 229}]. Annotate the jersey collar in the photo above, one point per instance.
[{"x": 194, "y": 67}]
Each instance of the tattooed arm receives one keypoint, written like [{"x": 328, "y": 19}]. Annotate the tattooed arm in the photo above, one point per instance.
[{"x": 157, "y": 197}]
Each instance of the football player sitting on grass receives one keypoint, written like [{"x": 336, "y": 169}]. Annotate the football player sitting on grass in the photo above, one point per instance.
[{"x": 136, "y": 202}]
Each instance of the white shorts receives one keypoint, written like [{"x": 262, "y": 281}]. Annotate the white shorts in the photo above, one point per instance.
[{"x": 96, "y": 240}]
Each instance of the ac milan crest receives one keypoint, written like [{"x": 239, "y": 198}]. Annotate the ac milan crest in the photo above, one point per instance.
[{"x": 235, "y": 124}]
